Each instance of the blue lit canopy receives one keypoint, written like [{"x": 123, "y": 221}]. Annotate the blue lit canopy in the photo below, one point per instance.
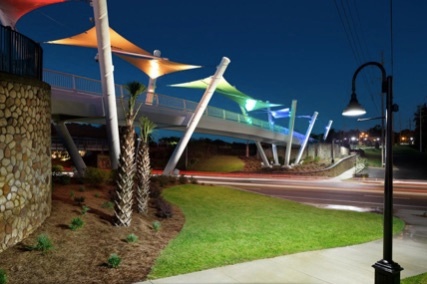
[{"x": 224, "y": 88}]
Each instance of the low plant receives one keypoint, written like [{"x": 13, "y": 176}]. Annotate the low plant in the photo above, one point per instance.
[
  {"x": 156, "y": 225},
  {"x": 96, "y": 177},
  {"x": 76, "y": 223},
  {"x": 79, "y": 200},
  {"x": 82, "y": 188},
  {"x": 193, "y": 180},
  {"x": 44, "y": 244},
  {"x": 3, "y": 276},
  {"x": 114, "y": 260},
  {"x": 131, "y": 238},
  {"x": 182, "y": 179},
  {"x": 72, "y": 195},
  {"x": 96, "y": 195},
  {"x": 164, "y": 209},
  {"x": 108, "y": 205},
  {"x": 85, "y": 209}
]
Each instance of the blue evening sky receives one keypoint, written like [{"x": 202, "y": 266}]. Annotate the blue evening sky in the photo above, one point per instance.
[{"x": 280, "y": 50}]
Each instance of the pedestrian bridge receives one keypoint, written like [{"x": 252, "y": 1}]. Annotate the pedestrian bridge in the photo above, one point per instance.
[{"x": 79, "y": 99}]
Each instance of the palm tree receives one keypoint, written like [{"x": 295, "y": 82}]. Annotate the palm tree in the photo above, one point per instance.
[
  {"x": 126, "y": 170},
  {"x": 143, "y": 167}
]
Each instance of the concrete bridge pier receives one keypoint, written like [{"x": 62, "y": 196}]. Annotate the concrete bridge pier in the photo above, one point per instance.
[{"x": 71, "y": 147}]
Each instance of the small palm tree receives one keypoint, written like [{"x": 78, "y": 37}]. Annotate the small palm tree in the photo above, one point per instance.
[
  {"x": 143, "y": 166},
  {"x": 126, "y": 170}
]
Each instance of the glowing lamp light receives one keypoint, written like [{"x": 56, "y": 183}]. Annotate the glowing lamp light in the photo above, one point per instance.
[
  {"x": 250, "y": 104},
  {"x": 354, "y": 108}
]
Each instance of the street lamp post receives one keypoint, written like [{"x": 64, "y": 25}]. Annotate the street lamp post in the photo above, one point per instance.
[{"x": 386, "y": 270}]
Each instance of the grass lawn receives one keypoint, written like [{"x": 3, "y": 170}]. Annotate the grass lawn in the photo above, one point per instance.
[
  {"x": 225, "y": 226},
  {"x": 223, "y": 164},
  {"x": 418, "y": 279}
]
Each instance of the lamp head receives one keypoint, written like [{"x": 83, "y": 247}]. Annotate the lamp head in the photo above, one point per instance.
[{"x": 353, "y": 108}]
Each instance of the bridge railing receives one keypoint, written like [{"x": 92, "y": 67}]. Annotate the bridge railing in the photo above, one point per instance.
[{"x": 86, "y": 85}]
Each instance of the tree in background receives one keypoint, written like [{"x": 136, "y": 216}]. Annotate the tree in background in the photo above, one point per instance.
[
  {"x": 143, "y": 166},
  {"x": 126, "y": 170}
]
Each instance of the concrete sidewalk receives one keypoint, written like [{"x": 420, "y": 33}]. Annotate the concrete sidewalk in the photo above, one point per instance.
[{"x": 350, "y": 264}]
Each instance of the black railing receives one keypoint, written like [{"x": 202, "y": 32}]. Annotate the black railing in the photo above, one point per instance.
[{"x": 19, "y": 54}]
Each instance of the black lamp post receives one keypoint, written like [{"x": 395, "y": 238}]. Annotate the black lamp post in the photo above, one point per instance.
[{"x": 386, "y": 270}]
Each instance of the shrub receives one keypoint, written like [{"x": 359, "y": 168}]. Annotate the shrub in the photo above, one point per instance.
[
  {"x": 57, "y": 170},
  {"x": 114, "y": 260},
  {"x": 156, "y": 225},
  {"x": 193, "y": 180},
  {"x": 79, "y": 200},
  {"x": 3, "y": 277},
  {"x": 183, "y": 179},
  {"x": 85, "y": 209},
  {"x": 108, "y": 205},
  {"x": 131, "y": 238},
  {"x": 164, "y": 209},
  {"x": 155, "y": 190},
  {"x": 44, "y": 244},
  {"x": 96, "y": 177},
  {"x": 76, "y": 223},
  {"x": 64, "y": 179}
]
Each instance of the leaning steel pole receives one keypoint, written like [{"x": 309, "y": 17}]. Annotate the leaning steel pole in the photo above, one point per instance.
[{"x": 107, "y": 78}]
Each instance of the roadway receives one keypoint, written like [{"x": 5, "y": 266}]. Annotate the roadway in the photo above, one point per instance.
[{"x": 359, "y": 195}]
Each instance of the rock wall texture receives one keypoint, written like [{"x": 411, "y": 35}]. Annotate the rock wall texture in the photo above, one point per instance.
[{"x": 25, "y": 162}]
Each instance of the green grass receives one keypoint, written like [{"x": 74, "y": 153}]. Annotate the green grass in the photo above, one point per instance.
[
  {"x": 225, "y": 226},
  {"x": 223, "y": 164},
  {"x": 373, "y": 156},
  {"x": 418, "y": 279}
]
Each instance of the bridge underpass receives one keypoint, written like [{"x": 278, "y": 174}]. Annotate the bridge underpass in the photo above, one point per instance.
[{"x": 79, "y": 99}]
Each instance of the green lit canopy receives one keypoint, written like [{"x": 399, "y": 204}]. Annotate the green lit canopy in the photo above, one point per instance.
[{"x": 230, "y": 92}]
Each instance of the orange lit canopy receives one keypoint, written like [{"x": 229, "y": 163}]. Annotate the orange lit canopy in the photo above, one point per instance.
[
  {"x": 230, "y": 92},
  {"x": 12, "y": 10},
  {"x": 88, "y": 39},
  {"x": 153, "y": 67},
  {"x": 156, "y": 67}
]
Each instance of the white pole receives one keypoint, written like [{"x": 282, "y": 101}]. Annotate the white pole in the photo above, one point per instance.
[
  {"x": 107, "y": 78},
  {"x": 273, "y": 146},
  {"x": 328, "y": 127},
  {"x": 262, "y": 154},
  {"x": 194, "y": 121},
  {"x": 291, "y": 132},
  {"x": 307, "y": 136}
]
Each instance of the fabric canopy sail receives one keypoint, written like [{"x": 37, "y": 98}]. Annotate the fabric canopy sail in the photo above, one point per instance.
[
  {"x": 12, "y": 10},
  {"x": 88, "y": 39},
  {"x": 230, "y": 92},
  {"x": 155, "y": 68},
  {"x": 152, "y": 66}
]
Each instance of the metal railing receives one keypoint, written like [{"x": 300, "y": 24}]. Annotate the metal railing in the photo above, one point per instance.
[
  {"x": 80, "y": 85},
  {"x": 19, "y": 54}
]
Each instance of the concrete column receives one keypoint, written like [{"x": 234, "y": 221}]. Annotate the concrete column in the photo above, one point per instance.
[
  {"x": 262, "y": 154},
  {"x": 71, "y": 147}
]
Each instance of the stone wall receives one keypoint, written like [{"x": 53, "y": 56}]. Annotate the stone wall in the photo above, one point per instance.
[{"x": 25, "y": 163}]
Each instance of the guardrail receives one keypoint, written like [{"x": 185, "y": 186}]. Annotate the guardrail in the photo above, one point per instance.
[
  {"x": 19, "y": 54},
  {"x": 90, "y": 86}
]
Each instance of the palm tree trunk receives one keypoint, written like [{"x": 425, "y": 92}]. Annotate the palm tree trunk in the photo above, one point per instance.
[
  {"x": 143, "y": 173},
  {"x": 126, "y": 172}
]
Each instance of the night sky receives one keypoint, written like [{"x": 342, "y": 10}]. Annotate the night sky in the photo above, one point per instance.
[{"x": 280, "y": 50}]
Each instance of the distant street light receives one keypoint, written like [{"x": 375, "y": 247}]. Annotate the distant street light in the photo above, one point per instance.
[{"x": 386, "y": 270}]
